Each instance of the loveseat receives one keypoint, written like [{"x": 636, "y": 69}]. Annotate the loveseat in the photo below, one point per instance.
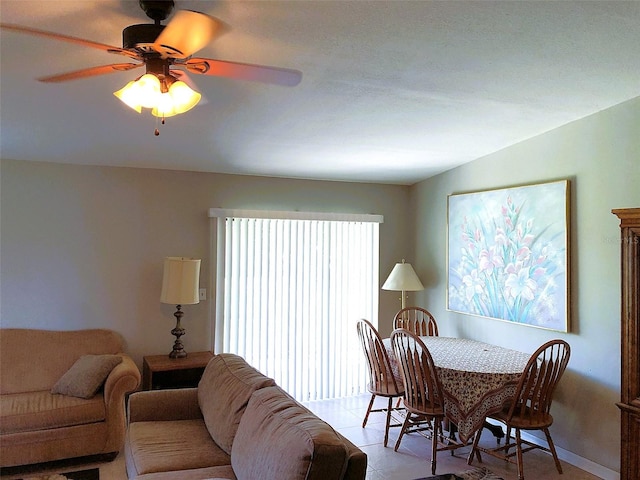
[
  {"x": 237, "y": 424},
  {"x": 37, "y": 425}
]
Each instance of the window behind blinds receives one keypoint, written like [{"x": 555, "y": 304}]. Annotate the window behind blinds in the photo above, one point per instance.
[{"x": 292, "y": 291}]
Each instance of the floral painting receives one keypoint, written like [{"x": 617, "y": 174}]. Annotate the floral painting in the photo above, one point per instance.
[{"x": 508, "y": 254}]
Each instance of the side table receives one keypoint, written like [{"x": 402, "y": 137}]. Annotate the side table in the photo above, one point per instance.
[{"x": 160, "y": 371}]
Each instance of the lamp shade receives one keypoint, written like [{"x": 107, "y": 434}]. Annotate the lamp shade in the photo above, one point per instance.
[
  {"x": 403, "y": 278},
  {"x": 180, "y": 281}
]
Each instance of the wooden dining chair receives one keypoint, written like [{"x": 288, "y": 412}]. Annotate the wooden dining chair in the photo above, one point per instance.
[
  {"x": 423, "y": 397},
  {"x": 417, "y": 320},
  {"x": 383, "y": 382},
  {"x": 530, "y": 407}
]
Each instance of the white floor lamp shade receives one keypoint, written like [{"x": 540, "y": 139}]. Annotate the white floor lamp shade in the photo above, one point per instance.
[
  {"x": 403, "y": 279},
  {"x": 180, "y": 285}
]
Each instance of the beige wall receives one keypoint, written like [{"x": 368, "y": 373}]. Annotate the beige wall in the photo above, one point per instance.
[
  {"x": 82, "y": 246},
  {"x": 600, "y": 155}
]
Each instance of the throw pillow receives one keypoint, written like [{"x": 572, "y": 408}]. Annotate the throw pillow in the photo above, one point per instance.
[{"x": 86, "y": 376}]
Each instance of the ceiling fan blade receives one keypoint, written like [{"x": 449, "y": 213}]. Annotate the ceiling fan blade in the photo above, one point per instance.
[
  {"x": 67, "y": 38},
  {"x": 244, "y": 71},
  {"x": 90, "y": 72},
  {"x": 186, "y": 33}
]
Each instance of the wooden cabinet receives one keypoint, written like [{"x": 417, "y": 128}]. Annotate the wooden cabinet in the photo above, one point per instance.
[
  {"x": 630, "y": 319},
  {"x": 160, "y": 371}
]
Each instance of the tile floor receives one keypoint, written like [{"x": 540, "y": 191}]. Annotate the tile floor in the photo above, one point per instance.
[{"x": 411, "y": 461}]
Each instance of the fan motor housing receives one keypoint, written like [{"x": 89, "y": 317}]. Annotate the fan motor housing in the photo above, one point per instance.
[{"x": 138, "y": 37}]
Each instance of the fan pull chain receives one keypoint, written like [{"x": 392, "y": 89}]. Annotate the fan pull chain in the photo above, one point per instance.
[{"x": 156, "y": 132}]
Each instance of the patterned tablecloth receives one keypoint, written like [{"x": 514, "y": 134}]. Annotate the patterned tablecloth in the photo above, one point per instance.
[{"x": 477, "y": 378}]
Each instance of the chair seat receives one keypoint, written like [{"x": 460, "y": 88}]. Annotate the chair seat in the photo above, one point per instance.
[
  {"x": 388, "y": 389},
  {"x": 542, "y": 420},
  {"x": 427, "y": 411}
]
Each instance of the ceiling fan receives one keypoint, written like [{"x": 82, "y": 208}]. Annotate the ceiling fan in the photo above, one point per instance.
[{"x": 164, "y": 49}]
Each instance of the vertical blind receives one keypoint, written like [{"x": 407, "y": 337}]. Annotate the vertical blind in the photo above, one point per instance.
[{"x": 293, "y": 291}]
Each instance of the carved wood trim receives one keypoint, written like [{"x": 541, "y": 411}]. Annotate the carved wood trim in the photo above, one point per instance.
[{"x": 630, "y": 342}]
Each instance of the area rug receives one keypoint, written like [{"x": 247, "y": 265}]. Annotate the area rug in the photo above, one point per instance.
[
  {"x": 92, "y": 474},
  {"x": 481, "y": 473}
]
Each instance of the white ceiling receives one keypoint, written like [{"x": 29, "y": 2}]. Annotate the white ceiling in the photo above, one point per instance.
[{"x": 392, "y": 91}]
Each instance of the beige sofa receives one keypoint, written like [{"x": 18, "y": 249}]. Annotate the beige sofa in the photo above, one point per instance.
[
  {"x": 237, "y": 424},
  {"x": 39, "y": 426}
]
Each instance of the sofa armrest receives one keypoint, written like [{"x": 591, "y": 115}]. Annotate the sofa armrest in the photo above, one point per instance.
[
  {"x": 123, "y": 379},
  {"x": 356, "y": 461},
  {"x": 162, "y": 405}
]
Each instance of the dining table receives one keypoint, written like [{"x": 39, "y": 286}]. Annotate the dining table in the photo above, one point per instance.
[{"x": 477, "y": 378}]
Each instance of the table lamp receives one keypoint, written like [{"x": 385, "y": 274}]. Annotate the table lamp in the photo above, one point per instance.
[
  {"x": 180, "y": 284},
  {"x": 403, "y": 278}
]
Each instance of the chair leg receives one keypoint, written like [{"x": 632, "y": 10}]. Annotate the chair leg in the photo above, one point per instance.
[
  {"x": 437, "y": 425},
  {"x": 519, "y": 455},
  {"x": 386, "y": 430},
  {"x": 474, "y": 448},
  {"x": 553, "y": 449},
  {"x": 402, "y": 430},
  {"x": 366, "y": 416}
]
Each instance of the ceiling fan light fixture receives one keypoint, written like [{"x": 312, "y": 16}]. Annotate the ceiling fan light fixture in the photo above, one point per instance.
[
  {"x": 165, "y": 98},
  {"x": 164, "y": 108},
  {"x": 178, "y": 98},
  {"x": 143, "y": 92},
  {"x": 148, "y": 90},
  {"x": 128, "y": 96},
  {"x": 183, "y": 97}
]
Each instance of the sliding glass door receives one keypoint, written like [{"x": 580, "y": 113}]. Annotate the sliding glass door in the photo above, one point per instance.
[{"x": 292, "y": 291}]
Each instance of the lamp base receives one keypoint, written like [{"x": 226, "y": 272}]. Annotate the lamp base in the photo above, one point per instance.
[{"x": 178, "y": 349}]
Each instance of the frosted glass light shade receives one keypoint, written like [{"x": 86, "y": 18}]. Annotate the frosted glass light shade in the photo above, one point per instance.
[
  {"x": 179, "y": 99},
  {"x": 180, "y": 281},
  {"x": 128, "y": 96},
  {"x": 403, "y": 278},
  {"x": 149, "y": 92}
]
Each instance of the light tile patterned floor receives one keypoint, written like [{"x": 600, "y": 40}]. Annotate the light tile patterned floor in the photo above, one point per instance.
[{"x": 412, "y": 459}]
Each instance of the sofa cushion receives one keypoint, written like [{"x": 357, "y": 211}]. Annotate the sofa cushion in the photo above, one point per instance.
[
  {"x": 223, "y": 393},
  {"x": 279, "y": 438},
  {"x": 53, "y": 352},
  {"x": 86, "y": 375},
  {"x": 210, "y": 473},
  {"x": 171, "y": 446},
  {"x": 33, "y": 411}
]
